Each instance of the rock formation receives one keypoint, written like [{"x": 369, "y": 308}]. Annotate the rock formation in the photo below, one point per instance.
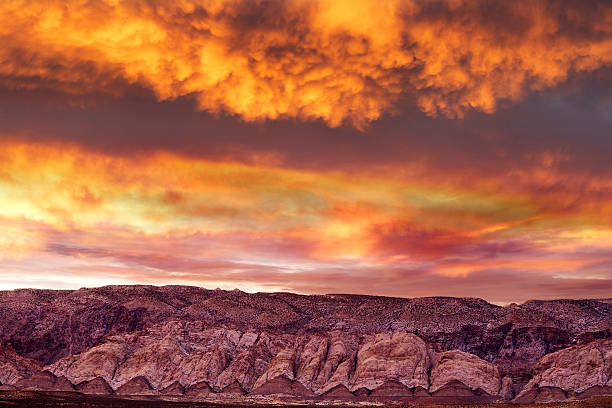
[
  {"x": 200, "y": 389},
  {"x": 197, "y": 343},
  {"x": 391, "y": 356},
  {"x": 466, "y": 368},
  {"x": 176, "y": 388},
  {"x": 99, "y": 361},
  {"x": 97, "y": 386},
  {"x": 233, "y": 390},
  {"x": 283, "y": 386},
  {"x": 339, "y": 392},
  {"x": 571, "y": 371},
  {"x": 13, "y": 367},
  {"x": 136, "y": 386},
  {"x": 44, "y": 381},
  {"x": 391, "y": 389}
]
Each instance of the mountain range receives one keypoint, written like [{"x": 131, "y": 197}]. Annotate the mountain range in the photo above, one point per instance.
[{"x": 193, "y": 343}]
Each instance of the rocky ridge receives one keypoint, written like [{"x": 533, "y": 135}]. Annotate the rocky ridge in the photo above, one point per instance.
[{"x": 200, "y": 343}]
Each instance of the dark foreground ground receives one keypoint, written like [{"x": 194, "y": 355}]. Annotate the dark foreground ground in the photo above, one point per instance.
[{"x": 37, "y": 399}]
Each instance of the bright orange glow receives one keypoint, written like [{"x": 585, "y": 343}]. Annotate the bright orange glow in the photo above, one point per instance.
[
  {"x": 165, "y": 217},
  {"x": 333, "y": 60},
  {"x": 401, "y": 147}
]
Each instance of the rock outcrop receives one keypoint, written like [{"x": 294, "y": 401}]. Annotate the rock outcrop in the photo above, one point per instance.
[
  {"x": 176, "y": 388},
  {"x": 391, "y": 389},
  {"x": 453, "y": 388},
  {"x": 339, "y": 392},
  {"x": 97, "y": 386},
  {"x": 13, "y": 367},
  {"x": 572, "y": 370},
  {"x": 200, "y": 389},
  {"x": 283, "y": 386},
  {"x": 136, "y": 386},
  {"x": 537, "y": 395},
  {"x": 197, "y": 343},
  {"x": 99, "y": 361},
  {"x": 466, "y": 368},
  {"x": 282, "y": 365},
  {"x": 44, "y": 381},
  {"x": 233, "y": 390},
  {"x": 398, "y": 356}
]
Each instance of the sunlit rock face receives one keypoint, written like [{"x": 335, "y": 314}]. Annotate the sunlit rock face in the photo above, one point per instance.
[
  {"x": 574, "y": 371},
  {"x": 391, "y": 356},
  {"x": 468, "y": 369},
  {"x": 97, "y": 386},
  {"x": 14, "y": 367},
  {"x": 198, "y": 343}
]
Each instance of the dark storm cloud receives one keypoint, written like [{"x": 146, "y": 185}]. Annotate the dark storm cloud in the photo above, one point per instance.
[{"x": 572, "y": 120}]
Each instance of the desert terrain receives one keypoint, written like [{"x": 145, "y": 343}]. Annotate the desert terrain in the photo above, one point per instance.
[{"x": 188, "y": 345}]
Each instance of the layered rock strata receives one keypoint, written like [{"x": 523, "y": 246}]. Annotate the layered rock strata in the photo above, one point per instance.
[{"x": 196, "y": 343}]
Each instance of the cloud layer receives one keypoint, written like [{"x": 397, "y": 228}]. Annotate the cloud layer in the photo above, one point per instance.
[
  {"x": 337, "y": 61},
  {"x": 310, "y": 146},
  {"x": 77, "y": 216}
]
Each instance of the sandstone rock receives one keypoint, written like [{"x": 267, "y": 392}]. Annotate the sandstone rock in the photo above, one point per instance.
[
  {"x": 361, "y": 393},
  {"x": 523, "y": 347},
  {"x": 234, "y": 389},
  {"x": 281, "y": 366},
  {"x": 63, "y": 384},
  {"x": 183, "y": 353},
  {"x": 391, "y": 356},
  {"x": 99, "y": 361},
  {"x": 97, "y": 386},
  {"x": 341, "y": 375},
  {"x": 466, "y": 368},
  {"x": 339, "y": 362},
  {"x": 44, "y": 381},
  {"x": 391, "y": 389},
  {"x": 90, "y": 314},
  {"x": 550, "y": 394},
  {"x": 201, "y": 366},
  {"x": 541, "y": 395},
  {"x": 312, "y": 358},
  {"x": 594, "y": 391},
  {"x": 283, "y": 386},
  {"x": 176, "y": 388},
  {"x": 183, "y": 335},
  {"x": 506, "y": 391},
  {"x": 453, "y": 389},
  {"x": 136, "y": 386},
  {"x": 13, "y": 367},
  {"x": 201, "y": 389},
  {"x": 156, "y": 362},
  {"x": 573, "y": 369},
  {"x": 247, "y": 340},
  {"x": 339, "y": 392},
  {"x": 245, "y": 368}
]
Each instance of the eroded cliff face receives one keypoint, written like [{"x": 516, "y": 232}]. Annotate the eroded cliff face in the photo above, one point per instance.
[
  {"x": 192, "y": 341},
  {"x": 466, "y": 368},
  {"x": 579, "y": 370},
  {"x": 190, "y": 353},
  {"x": 14, "y": 367}
]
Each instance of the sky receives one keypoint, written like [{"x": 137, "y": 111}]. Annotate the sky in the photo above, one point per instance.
[{"x": 400, "y": 148}]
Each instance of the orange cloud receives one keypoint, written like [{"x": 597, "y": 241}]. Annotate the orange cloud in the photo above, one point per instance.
[
  {"x": 72, "y": 215},
  {"x": 333, "y": 60}
]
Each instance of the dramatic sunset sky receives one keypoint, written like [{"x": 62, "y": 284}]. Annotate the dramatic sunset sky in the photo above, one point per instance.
[{"x": 401, "y": 148}]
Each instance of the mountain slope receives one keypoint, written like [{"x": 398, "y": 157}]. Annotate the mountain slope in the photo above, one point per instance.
[{"x": 310, "y": 345}]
